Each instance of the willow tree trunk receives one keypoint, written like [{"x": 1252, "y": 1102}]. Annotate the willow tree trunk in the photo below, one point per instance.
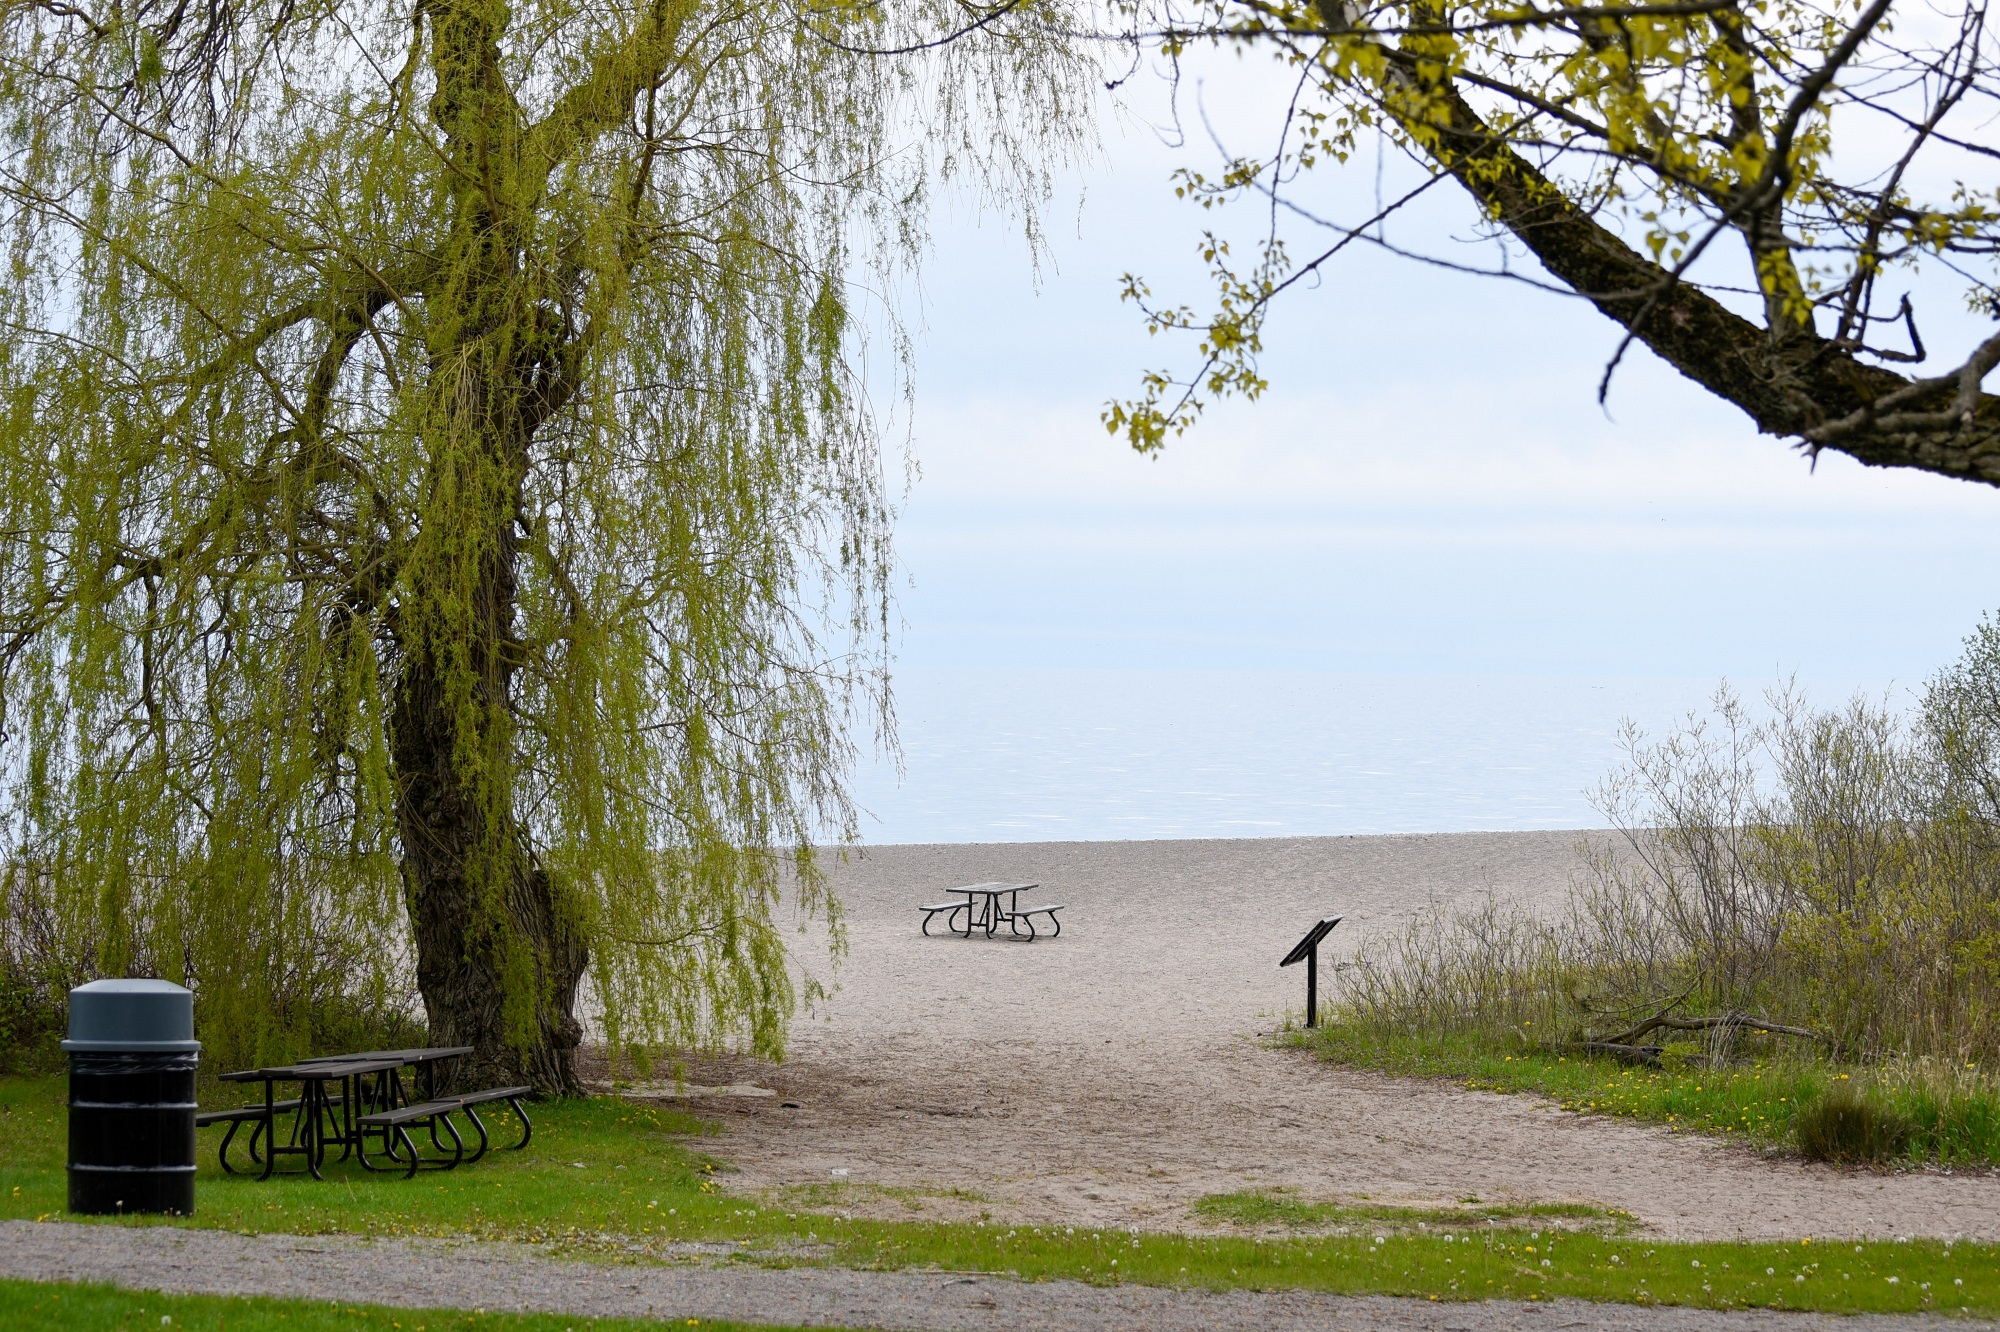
[{"x": 498, "y": 959}]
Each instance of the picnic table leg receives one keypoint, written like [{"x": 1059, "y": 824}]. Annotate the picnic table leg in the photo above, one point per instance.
[
  {"x": 343, "y": 1123},
  {"x": 389, "y": 1132},
  {"x": 270, "y": 1131},
  {"x": 457, "y": 1143},
  {"x": 434, "y": 1131},
  {"x": 222, "y": 1153},
  {"x": 527, "y": 1126},
  {"x": 390, "y": 1095},
  {"x": 360, "y": 1103},
  {"x": 361, "y": 1153},
  {"x": 300, "y": 1136},
  {"x": 403, "y": 1136},
  {"x": 314, "y": 1099},
  {"x": 484, "y": 1142}
]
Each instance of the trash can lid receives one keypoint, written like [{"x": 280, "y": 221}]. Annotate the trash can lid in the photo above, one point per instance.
[{"x": 137, "y": 1015}]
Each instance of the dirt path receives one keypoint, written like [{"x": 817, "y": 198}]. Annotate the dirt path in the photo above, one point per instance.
[
  {"x": 416, "y": 1274},
  {"x": 1113, "y": 1076}
]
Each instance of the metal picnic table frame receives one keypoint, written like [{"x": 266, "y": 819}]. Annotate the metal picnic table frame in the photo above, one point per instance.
[{"x": 982, "y": 910}]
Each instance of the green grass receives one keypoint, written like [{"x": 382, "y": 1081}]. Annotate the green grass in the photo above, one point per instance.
[
  {"x": 592, "y": 1175},
  {"x": 669, "y": 1192},
  {"x": 1506, "y": 1263},
  {"x": 99, "y": 1308},
  {"x": 1756, "y": 1102},
  {"x": 1283, "y": 1207},
  {"x": 1953, "y": 1117}
]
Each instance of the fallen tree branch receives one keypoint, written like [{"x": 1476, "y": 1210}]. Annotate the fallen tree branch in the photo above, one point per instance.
[
  {"x": 1634, "y": 1054},
  {"x": 1741, "y": 1021}
]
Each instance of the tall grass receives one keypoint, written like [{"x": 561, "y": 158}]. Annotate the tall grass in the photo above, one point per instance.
[{"x": 1832, "y": 871}]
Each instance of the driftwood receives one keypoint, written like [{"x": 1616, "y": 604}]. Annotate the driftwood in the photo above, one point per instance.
[{"x": 1624, "y": 1045}]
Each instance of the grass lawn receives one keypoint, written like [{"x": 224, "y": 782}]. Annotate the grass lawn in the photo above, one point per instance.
[
  {"x": 569, "y": 1188},
  {"x": 1754, "y": 1102},
  {"x": 96, "y": 1308},
  {"x": 1750, "y": 1103},
  {"x": 1282, "y": 1207}
]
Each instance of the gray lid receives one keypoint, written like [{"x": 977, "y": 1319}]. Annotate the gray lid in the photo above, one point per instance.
[{"x": 139, "y": 1015}]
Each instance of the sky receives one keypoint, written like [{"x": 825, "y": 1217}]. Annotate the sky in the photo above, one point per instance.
[{"x": 1428, "y": 489}]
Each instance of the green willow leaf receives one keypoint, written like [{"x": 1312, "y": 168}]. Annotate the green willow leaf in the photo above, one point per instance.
[{"x": 444, "y": 537}]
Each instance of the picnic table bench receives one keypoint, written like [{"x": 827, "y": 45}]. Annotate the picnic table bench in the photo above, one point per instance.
[{"x": 437, "y": 1113}]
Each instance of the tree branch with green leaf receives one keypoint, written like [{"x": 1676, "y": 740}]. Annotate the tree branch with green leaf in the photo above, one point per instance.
[{"x": 1675, "y": 165}]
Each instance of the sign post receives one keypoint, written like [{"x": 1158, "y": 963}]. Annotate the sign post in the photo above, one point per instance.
[{"x": 1307, "y": 951}]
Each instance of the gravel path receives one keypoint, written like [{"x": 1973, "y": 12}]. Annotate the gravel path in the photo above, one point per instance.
[{"x": 433, "y": 1274}]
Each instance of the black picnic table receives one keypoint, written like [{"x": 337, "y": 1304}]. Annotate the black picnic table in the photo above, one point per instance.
[
  {"x": 369, "y": 1082},
  {"x": 982, "y": 910}
]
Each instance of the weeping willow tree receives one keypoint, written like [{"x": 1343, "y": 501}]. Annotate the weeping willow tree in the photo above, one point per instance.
[{"x": 444, "y": 532}]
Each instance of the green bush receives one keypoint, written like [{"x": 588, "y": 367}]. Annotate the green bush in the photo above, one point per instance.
[
  {"x": 1843, "y": 1123},
  {"x": 274, "y": 979},
  {"x": 30, "y": 1024}
]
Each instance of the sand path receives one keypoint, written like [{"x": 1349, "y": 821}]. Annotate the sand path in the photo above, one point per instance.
[{"x": 1113, "y": 1076}]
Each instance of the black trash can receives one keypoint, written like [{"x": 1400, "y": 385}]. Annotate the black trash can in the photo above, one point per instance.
[{"x": 132, "y": 1056}]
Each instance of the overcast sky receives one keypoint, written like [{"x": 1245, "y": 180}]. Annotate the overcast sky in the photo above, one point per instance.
[
  {"x": 1428, "y": 501},
  {"x": 1429, "y": 485}
]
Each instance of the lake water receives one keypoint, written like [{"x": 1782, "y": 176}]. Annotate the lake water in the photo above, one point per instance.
[{"x": 1040, "y": 755}]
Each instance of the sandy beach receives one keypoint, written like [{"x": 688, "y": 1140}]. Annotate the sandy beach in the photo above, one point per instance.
[{"x": 1115, "y": 1075}]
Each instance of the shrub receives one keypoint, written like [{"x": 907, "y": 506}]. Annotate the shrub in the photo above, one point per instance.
[
  {"x": 1832, "y": 870},
  {"x": 1842, "y": 1123},
  {"x": 281, "y": 978},
  {"x": 31, "y": 1024}
]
